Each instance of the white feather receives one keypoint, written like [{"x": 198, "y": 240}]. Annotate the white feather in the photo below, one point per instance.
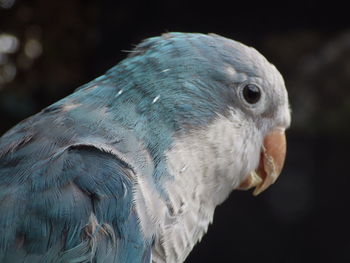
[{"x": 206, "y": 166}]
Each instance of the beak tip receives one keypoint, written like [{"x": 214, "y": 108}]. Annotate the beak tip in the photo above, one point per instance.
[
  {"x": 271, "y": 163},
  {"x": 265, "y": 185}
]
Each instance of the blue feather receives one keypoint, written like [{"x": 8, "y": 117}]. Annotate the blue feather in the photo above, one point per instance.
[{"x": 66, "y": 193}]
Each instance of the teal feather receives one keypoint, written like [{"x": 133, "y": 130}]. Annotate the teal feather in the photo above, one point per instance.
[{"x": 66, "y": 195}]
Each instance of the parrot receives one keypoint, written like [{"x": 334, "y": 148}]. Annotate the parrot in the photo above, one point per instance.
[{"x": 131, "y": 166}]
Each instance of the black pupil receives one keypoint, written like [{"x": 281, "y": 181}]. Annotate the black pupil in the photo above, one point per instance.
[{"x": 251, "y": 93}]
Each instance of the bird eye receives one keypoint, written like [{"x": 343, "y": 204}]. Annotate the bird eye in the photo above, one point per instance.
[{"x": 251, "y": 93}]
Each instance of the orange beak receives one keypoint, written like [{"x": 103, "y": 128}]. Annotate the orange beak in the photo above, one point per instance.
[{"x": 271, "y": 163}]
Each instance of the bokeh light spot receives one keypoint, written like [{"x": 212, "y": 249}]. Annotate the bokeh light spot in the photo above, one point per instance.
[
  {"x": 33, "y": 48},
  {"x": 6, "y": 4},
  {"x": 7, "y": 73},
  {"x": 8, "y": 43}
]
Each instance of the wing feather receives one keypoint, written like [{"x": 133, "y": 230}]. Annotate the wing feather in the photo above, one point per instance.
[{"x": 66, "y": 204}]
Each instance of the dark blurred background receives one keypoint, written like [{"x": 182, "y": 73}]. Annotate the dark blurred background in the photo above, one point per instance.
[{"x": 49, "y": 48}]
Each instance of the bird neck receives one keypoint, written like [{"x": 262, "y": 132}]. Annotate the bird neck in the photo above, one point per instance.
[{"x": 202, "y": 176}]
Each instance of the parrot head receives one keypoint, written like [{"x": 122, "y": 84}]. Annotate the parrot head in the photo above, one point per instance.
[
  {"x": 227, "y": 108},
  {"x": 203, "y": 84}
]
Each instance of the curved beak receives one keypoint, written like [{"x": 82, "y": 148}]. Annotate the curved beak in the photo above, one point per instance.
[{"x": 271, "y": 162}]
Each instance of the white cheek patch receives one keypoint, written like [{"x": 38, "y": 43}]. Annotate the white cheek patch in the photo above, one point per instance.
[
  {"x": 218, "y": 156},
  {"x": 206, "y": 166}
]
